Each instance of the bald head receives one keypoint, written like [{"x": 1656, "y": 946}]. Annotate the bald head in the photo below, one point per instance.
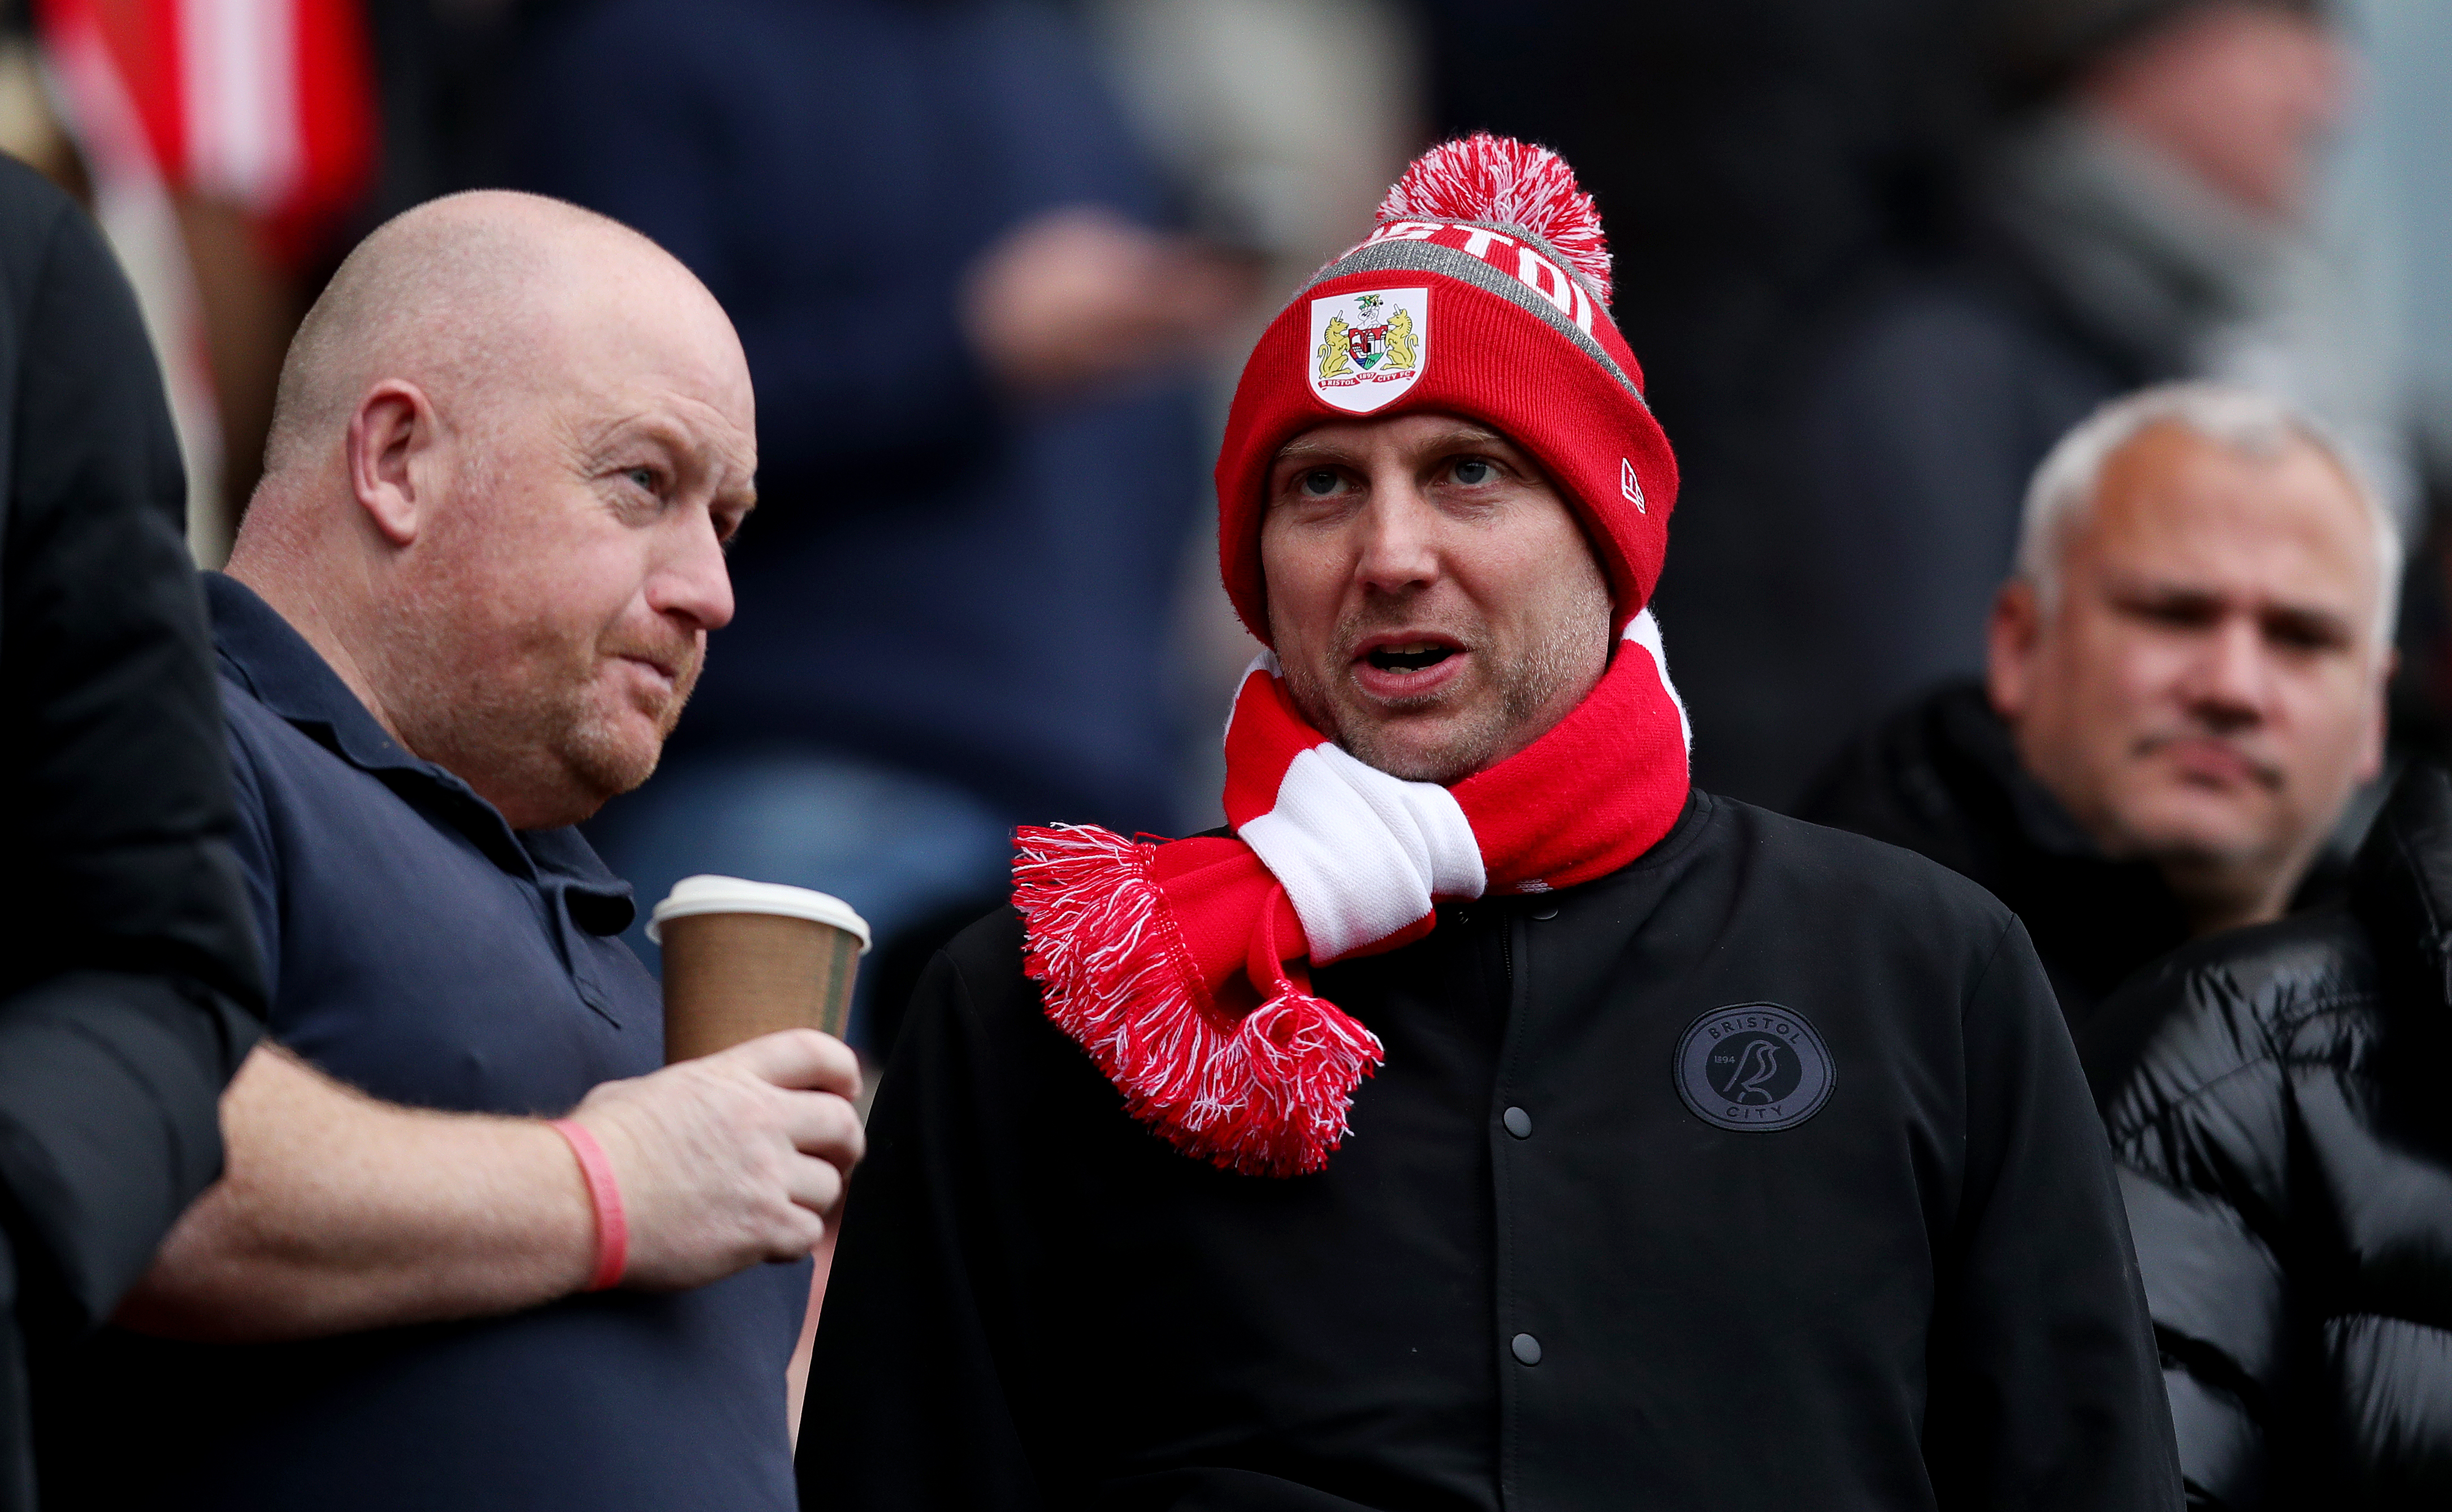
[
  {"x": 511, "y": 441},
  {"x": 448, "y": 295}
]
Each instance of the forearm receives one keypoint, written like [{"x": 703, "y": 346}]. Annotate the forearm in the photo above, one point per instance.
[{"x": 337, "y": 1212}]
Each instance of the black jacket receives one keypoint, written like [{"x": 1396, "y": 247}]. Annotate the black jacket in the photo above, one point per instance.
[
  {"x": 1942, "y": 778},
  {"x": 129, "y": 986},
  {"x": 2276, "y": 1100},
  {"x": 1757, "y": 1174}
]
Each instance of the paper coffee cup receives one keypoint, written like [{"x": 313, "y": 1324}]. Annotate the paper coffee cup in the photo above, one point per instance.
[{"x": 744, "y": 959}]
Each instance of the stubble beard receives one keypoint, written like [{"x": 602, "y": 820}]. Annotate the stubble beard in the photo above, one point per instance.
[
  {"x": 524, "y": 712},
  {"x": 1553, "y": 663},
  {"x": 541, "y": 733},
  {"x": 593, "y": 749},
  {"x": 2221, "y": 873}
]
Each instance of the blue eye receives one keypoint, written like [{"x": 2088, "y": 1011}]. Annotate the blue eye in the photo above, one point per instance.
[
  {"x": 1319, "y": 483},
  {"x": 644, "y": 477},
  {"x": 1474, "y": 471}
]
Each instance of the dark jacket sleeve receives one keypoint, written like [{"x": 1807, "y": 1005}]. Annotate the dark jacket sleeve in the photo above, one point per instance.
[
  {"x": 907, "y": 1405},
  {"x": 2202, "y": 1172},
  {"x": 2044, "y": 1391},
  {"x": 130, "y": 986}
]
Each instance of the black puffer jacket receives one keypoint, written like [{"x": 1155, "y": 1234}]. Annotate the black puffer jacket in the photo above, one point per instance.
[
  {"x": 2276, "y": 1100},
  {"x": 1942, "y": 778}
]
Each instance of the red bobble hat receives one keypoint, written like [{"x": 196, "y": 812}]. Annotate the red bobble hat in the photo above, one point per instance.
[
  {"x": 1181, "y": 967},
  {"x": 1483, "y": 293}
]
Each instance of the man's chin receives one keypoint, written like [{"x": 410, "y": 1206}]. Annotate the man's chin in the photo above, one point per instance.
[
  {"x": 2198, "y": 825},
  {"x": 613, "y": 756},
  {"x": 1418, "y": 755}
]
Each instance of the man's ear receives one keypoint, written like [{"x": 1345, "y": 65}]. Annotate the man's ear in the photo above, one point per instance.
[
  {"x": 2010, "y": 639},
  {"x": 392, "y": 438},
  {"x": 2378, "y": 720}
]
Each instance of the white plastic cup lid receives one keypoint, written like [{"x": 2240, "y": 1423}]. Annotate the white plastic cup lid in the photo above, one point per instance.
[{"x": 694, "y": 895}]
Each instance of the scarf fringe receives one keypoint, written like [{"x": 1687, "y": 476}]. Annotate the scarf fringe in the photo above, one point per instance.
[{"x": 1265, "y": 1095}]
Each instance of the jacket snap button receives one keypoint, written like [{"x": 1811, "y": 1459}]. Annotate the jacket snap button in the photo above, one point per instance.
[
  {"x": 1549, "y": 912},
  {"x": 1527, "y": 1349},
  {"x": 1518, "y": 1123}
]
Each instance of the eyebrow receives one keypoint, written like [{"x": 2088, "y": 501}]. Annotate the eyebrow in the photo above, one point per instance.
[
  {"x": 679, "y": 442},
  {"x": 2144, "y": 590},
  {"x": 1304, "y": 449}
]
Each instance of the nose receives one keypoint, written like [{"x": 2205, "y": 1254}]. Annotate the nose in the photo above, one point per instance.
[
  {"x": 1399, "y": 550},
  {"x": 689, "y": 579},
  {"x": 2229, "y": 681}
]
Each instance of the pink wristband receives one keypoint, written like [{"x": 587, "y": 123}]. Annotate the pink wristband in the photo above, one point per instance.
[{"x": 612, "y": 1228}]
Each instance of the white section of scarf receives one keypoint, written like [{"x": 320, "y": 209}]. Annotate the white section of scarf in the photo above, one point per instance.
[
  {"x": 1362, "y": 854},
  {"x": 1645, "y": 631}
]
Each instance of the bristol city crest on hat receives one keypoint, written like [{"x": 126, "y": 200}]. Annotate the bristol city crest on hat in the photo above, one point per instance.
[{"x": 1368, "y": 348}]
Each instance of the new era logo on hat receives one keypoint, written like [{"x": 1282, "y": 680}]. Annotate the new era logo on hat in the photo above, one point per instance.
[{"x": 1368, "y": 347}]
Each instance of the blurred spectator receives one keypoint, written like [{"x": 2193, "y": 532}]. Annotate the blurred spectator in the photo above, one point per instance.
[
  {"x": 2186, "y": 685},
  {"x": 2399, "y": 154},
  {"x": 2275, "y": 1099},
  {"x": 1281, "y": 123},
  {"x": 227, "y": 144},
  {"x": 1749, "y": 157},
  {"x": 2145, "y": 220},
  {"x": 2387, "y": 202},
  {"x": 979, "y": 448},
  {"x": 129, "y": 983},
  {"x": 467, "y": 601}
]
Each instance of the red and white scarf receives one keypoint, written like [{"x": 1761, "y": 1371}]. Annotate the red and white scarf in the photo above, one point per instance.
[{"x": 1178, "y": 965}]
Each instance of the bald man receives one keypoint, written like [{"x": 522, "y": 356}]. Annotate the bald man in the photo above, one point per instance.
[{"x": 473, "y": 1249}]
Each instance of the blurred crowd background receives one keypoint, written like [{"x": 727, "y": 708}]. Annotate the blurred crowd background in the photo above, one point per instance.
[{"x": 996, "y": 263}]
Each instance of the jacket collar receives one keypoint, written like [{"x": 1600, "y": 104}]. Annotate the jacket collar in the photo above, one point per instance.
[
  {"x": 265, "y": 655},
  {"x": 2401, "y": 885},
  {"x": 2041, "y": 820}
]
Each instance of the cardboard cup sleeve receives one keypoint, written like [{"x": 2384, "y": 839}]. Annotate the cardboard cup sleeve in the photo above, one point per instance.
[{"x": 744, "y": 959}]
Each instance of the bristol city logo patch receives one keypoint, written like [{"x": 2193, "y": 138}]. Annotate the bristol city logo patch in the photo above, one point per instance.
[
  {"x": 1368, "y": 348},
  {"x": 1755, "y": 1067}
]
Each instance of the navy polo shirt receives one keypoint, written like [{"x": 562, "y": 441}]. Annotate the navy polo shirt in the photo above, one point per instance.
[{"x": 421, "y": 949}]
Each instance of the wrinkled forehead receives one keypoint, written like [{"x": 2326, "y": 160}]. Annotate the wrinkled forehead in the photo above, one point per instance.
[{"x": 2284, "y": 516}]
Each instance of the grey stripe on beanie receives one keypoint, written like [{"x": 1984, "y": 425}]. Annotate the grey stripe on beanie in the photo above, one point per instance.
[{"x": 1400, "y": 255}]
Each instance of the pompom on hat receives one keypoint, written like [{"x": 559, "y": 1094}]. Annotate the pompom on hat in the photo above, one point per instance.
[{"x": 1483, "y": 293}]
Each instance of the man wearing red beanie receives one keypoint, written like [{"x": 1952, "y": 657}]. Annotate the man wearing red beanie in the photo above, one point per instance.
[{"x": 1487, "y": 1119}]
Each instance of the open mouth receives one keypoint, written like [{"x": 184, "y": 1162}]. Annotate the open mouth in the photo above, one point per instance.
[{"x": 1415, "y": 657}]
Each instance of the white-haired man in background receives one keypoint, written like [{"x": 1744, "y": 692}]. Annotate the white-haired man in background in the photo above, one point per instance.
[{"x": 2186, "y": 687}]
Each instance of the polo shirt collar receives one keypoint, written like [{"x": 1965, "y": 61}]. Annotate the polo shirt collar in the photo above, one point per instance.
[
  {"x": 265, "y": 655},
  {"x": 272, "y": 660}
]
